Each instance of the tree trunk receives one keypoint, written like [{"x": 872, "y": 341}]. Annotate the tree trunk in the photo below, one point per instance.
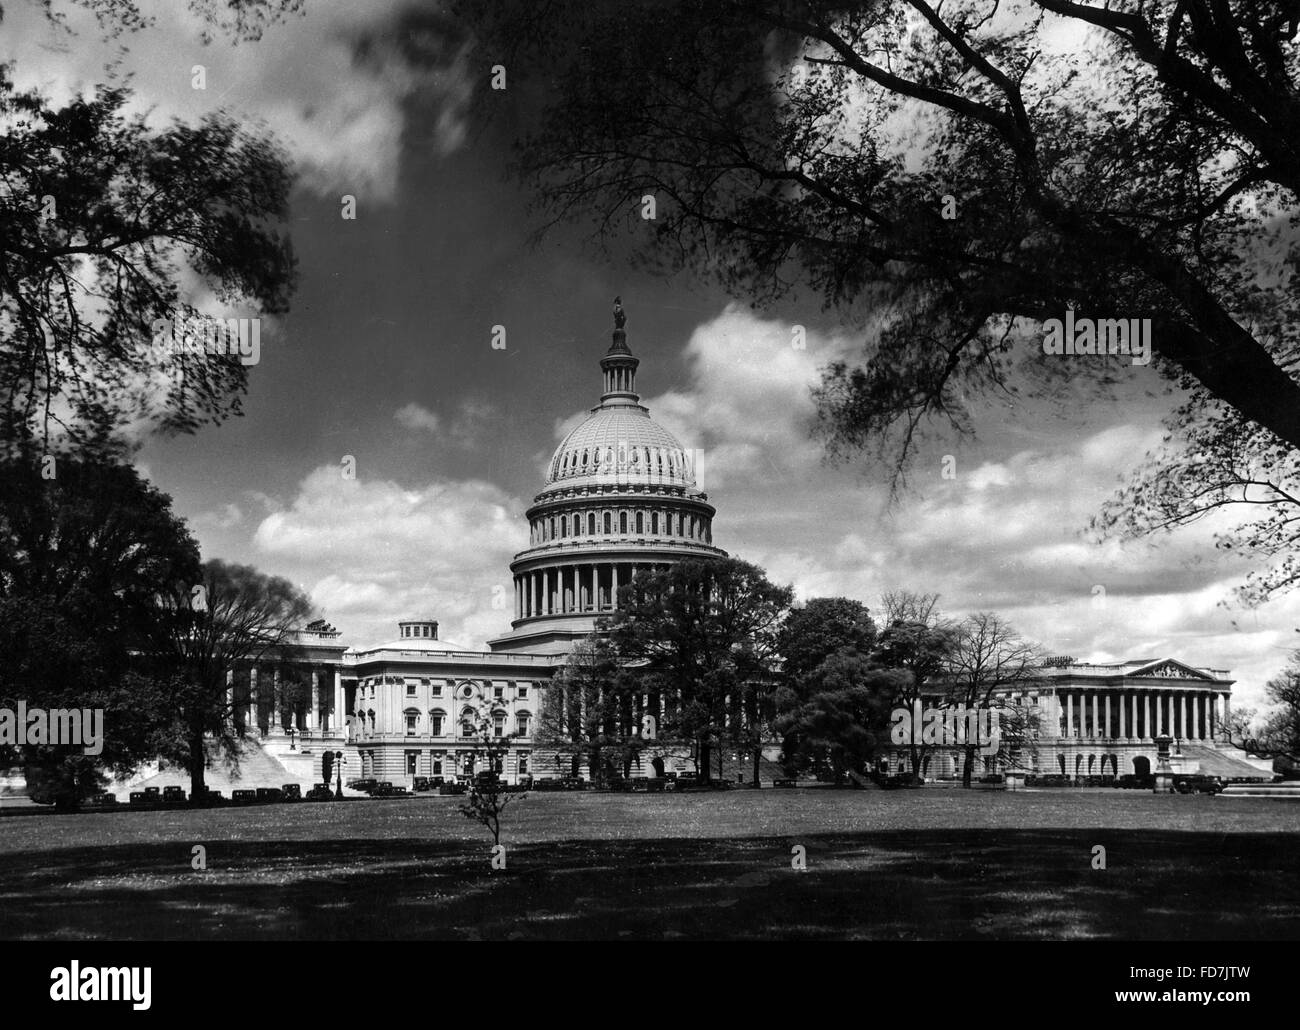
[
  {"x": 968, "y": 765},
  {"x": 198, "y": 763},
  {"x": 758, "y": 756},
  {"x": 706, "y": 756}
]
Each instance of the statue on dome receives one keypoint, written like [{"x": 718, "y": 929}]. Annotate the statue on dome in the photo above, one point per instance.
[{"x": 620, "y": 319}]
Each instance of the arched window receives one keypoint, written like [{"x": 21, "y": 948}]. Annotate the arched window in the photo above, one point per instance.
[
  {"x": 564, "y": 525},
  {"x": 498, "y": 724},
  {"x": 639, "y": 528},
  {"x": 609, "y": 523},
  {"x": 654, "y": 523},
  {"x": 584, "y": 458},
  {"x": 437, "y": 718},
  {"x": 412, "y": 721},
  {"x": 467, "y": 723},
  {"x": 622, "y": 522},
  {"x": 522, "y": 721},
  {"x": 591, "y": 524}
]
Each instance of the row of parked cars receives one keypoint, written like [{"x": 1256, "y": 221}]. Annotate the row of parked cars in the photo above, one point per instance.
[{"x": 173, "y": 797}]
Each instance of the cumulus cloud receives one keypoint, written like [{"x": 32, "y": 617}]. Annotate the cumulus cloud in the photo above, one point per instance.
[
  {"x": 1008, "y": 533},
  {"x": 472, "y": 422},
  {"x": 336, "y": 83},
  {"x": 417, "y": 417},
  {"x": 372, "y": 552}
]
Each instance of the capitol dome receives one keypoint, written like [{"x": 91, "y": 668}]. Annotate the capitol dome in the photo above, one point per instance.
[
  {"x": 621, "y": 498},
  {"x": 619, "y": 444}
]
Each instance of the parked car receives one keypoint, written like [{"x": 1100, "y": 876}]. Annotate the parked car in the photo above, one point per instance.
[
  {"x": 269, "y": 795},
  {"x": 292, "y": 792},
  {"x": 420, "y": 784},
  {"x": 208, "y": 797},
  {"x": 320, "y": 792},
  {"x": 363, "y": 784},
  {"x": 387, "y": 790},
  {"x": 243, "y": 797},
  {"x": 1197, "y": 784},
  {"x": 452, "y": 788},
  {"x": 173, "y": 795},
  {"x": 144, "y": 798},
  {"x": 101, "y": 800}
]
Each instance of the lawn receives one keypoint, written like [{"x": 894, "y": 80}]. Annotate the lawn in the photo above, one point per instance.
[{"x": 925, "y": 864}]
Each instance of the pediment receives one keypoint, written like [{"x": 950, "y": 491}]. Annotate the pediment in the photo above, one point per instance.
[{"x": 1167, "y": 668}]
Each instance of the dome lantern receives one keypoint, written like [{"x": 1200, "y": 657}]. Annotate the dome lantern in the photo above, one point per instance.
[{"x": 619, "y": 365}]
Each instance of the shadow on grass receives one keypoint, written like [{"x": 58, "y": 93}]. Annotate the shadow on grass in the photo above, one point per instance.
[{"x": 966, "y": 884}]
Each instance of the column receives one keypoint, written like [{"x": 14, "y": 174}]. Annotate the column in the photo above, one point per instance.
[
  {"x": 254, "y": 705},
  {"x": 336, "y": 722},
  {"x": 1123, "y": 731},
  {"x": 595, "y": 587},
  {"x": 1146, "y": 721},
  {"x": 274, "y": 726},
  {"x": 1160, "y": 717},
  {"x": 1069, "y": 715},
  {"x": 311, "y": 705},
  {"x": 1197, "y": 733},
  {"x": 1187, "y": 732},
  {"x": 1097, "y": 731},
  {"x": 536, "y": 588},
  {"x": 230, "y": 694},
  {"x": 613, "y": 590},
  {"x": 1106, "y": 726}
]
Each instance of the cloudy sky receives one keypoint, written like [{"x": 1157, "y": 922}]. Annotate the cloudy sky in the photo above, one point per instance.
[{"x": 387, "y": 358}]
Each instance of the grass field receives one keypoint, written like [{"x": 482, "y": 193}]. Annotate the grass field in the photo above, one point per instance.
[{"x": 891, "y": 865}]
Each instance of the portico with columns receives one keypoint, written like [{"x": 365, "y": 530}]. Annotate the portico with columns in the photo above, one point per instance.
[{"x": 1101, "y": 720}]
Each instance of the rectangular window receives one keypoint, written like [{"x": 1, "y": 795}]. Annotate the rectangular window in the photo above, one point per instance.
[
  {"x": 499, "y": 692},
  {"x": 523, "y": 763},
  {"x": 410, "y": 690},
  {"x": 410, "y": 725},
  {"x": 523, "y": 690},
  {"x": 412, "y": 757},
  {"x": 437, "y": 765},
  {"x": 435, "y": 725},
  {"x": 437, "y": 690},
  {"x": 498, "y": 725}
]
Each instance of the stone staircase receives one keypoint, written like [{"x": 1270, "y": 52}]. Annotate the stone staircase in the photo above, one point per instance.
[{"x": 256, "y": 768}]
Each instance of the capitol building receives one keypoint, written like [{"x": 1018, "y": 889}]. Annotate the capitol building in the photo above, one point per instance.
[{"x": 621, "y": 495}]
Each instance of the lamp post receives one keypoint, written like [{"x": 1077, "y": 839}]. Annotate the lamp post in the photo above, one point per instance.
[
  {"x": 291, "y": 731},
  {"x": 339, "y": 759}
]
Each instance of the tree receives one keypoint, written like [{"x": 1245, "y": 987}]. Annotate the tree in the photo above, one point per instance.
[
  {"x": 953, "y": 172},
  {"x": 591, "y": 711},
  {"x": 82, "y": 556},
  {"x": 823, "y": 627},
  {"x": 1277, "y": 730},
  {"x": 987, "y": 661},
  {"x": 846, "y": 717},
  {"x": 1211, "y": 462},
  {"x": 488, "y": 795},
  {"x": 700, "y": 632},
  {"x": 917, "y": 640},
  {"x": 101, "y": 219},
  {"x": 246, "y": 619}
]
